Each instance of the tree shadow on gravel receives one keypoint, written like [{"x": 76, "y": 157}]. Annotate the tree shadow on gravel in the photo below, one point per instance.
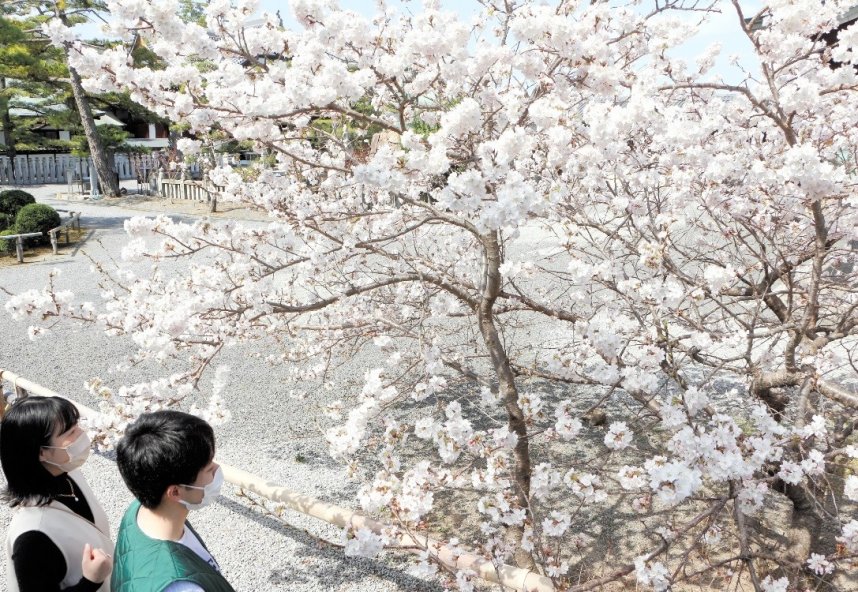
[
  {"x": 309, "y": 452},
  {"x": 114, "y": 223},
  {"x": 325, "y": 566}
]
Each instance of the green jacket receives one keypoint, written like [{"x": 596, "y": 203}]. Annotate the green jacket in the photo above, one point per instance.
[{"x": 144, "y": 564}]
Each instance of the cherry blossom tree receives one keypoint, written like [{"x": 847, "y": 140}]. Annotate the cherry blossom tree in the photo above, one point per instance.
[{"x": 536, "y": 219}]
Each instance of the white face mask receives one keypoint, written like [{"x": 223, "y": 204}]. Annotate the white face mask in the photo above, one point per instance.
[
  {"x": 78, "y": 451},
  {"x": 210, "y": 492}
]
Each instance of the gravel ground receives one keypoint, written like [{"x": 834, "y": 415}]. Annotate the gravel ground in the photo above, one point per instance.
[{"x": 267, "y": 435}]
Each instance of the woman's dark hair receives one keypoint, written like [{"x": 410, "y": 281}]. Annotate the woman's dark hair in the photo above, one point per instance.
[
  {"x": 27, "y": 426},
  {"x": 161, "y": 449}
]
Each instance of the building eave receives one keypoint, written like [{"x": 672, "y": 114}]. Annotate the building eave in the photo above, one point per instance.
[{"x": 849, "y": 16}]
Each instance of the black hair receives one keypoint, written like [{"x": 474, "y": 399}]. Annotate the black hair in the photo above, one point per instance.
[
  {"x": 161, "y": 449},
  {"x": 28, "y": 425}
]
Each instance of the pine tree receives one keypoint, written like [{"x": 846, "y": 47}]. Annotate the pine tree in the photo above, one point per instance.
[
  {"x": 69, "y": 13},
  {"x": 31, "y": 75}
]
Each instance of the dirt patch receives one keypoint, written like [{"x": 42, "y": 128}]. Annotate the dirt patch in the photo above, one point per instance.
[{"x": 161, "y": 205}]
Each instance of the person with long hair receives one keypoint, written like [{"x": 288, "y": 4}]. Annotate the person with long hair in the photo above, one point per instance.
[{"x": 58, "y": 538}]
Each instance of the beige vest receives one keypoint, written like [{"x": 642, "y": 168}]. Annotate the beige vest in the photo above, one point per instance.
[{"x": 67, "y": 530}]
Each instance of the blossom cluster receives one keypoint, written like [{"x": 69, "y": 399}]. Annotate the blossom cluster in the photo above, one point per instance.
[{"x": 586, "y": 271}]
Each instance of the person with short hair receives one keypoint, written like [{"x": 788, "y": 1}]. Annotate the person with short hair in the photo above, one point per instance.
[
  {"x": 59, "y": 537},
  {"x": 166, "y": 459}
]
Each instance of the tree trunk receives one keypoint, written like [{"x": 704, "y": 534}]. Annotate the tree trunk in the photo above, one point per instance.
[
  {"x": 506, "y": 379},
  {"x": 172, "y": 139},
  {"x": 106, "y": 176},
  {"x": 104, "y": 170},
  {"x": 6, "y": 122}
]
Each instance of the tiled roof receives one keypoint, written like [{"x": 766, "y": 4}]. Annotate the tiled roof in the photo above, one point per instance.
[{"x": 849, "y": 15}]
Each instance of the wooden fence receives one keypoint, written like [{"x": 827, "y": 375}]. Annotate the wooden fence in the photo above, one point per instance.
[
  {"x": 41, "y": 169},
  {"x": 188, "y": 189}
]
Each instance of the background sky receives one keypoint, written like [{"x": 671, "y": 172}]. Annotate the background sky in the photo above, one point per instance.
[{"x": 721, "y": 27}]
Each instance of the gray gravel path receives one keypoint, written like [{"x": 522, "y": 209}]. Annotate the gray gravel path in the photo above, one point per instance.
[{"x": 256, "y": 552}]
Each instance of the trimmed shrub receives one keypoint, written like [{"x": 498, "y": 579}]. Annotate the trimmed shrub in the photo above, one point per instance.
[
  {"x": 37, "y": 218},
  {"x": 7, "y": 247},
  {"x": 12, "y": 200},
  {"x": 6, "y": 221}
]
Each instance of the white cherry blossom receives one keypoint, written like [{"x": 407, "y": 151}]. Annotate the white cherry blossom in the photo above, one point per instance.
[{"x": 510, "y": 231}]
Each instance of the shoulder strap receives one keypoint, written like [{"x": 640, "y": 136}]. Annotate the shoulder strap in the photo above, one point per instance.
[{"x": 199, "y": 538}]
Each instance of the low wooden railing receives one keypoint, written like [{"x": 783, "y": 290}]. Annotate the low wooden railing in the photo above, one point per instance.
[
  {"x": 19, "y": 242},
  {"x": 73, "y": 221}
]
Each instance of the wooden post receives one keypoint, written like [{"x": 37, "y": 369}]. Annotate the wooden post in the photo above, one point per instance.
[
  {"x": 54, "y": 240},
  {"x": 19, "y": 249}
]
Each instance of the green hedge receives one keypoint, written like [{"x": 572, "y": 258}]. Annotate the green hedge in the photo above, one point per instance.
[
  {"x": 7, "y": 246},
  {"x": 12, "y": 200},
  {"x": 37, "y": 218}
]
